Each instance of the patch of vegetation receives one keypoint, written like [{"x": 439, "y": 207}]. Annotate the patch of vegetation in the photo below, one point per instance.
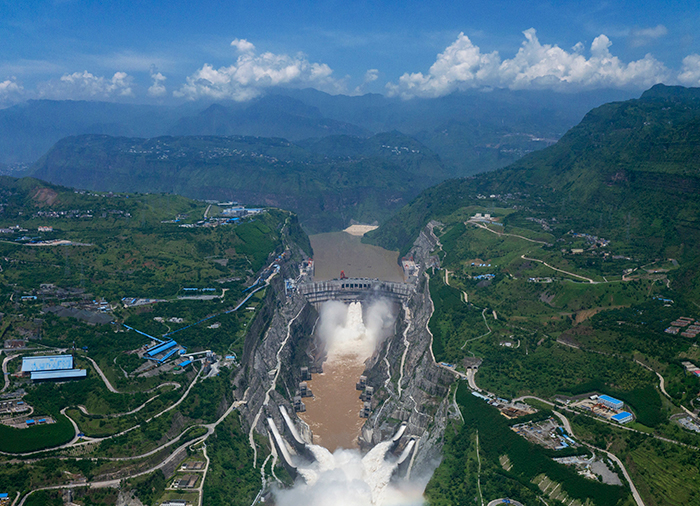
[
  {"x": 36, "y": 438},
  {"x": 231, "y": 479}
]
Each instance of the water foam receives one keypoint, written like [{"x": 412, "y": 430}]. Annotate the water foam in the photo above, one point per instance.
[
  {"x": 345, "y": 478},
  {"x": 345, "y": 333}
]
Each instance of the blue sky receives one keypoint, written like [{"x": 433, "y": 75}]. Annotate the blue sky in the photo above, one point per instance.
[{"x": 175, "y": 51}]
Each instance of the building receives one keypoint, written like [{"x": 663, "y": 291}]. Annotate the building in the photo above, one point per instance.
[
  {"x": 187, "y": 481},
  {"x": 51, "y": 367},
  {"x": 610, "y": 402},
  {"x": 45, "y": 229},
  {"x": 47, "y": 363},
  {"x": 59, "y": 375},
  {"x": 622, "y": 417},
  {"x": 196, "y": 465}
]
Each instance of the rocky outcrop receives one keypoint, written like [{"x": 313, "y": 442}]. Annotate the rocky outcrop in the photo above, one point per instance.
[
  {"x": 275, "y": 351},
  {"x": 410, "y": 387}
]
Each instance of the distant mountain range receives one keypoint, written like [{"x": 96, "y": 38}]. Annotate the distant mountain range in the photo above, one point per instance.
[
  {"x": 471, "y": 131},
  {"x": 329, "y": 158}
]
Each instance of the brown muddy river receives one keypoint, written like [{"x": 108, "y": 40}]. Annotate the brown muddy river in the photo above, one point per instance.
[
  {"x": 333, "y": 413},
  {"x": 340, "y": 251}
]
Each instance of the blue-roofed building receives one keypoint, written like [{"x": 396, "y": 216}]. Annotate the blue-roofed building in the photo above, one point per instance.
[
  {"x": 47, "y": 363},
  {"x": 160, "y": 348},
  {"x": 185, "y": 363},
  {"x": 59, "y": 375},
  {"x": 610, "y": 402},
  {"x": 167, "y": 356},
  {"x": 623, "y": 417},
  {"x": 480, "y": 396}
]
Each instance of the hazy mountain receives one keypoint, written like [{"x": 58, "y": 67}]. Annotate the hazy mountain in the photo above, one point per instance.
[
  {"x": 271, "y": 116},
  {"x": 323, "y": 181},
  {"x": 471, "y": 131},
  {"x": 28, "y": 130}
]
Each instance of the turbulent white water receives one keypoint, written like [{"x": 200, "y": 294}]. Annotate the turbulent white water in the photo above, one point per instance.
[
  {"x": 346, "y": 334},
  {"x": 345, "y": 478}
]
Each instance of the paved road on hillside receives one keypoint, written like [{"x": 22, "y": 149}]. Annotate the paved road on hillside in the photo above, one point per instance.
[{"x": 4, "y": 371}]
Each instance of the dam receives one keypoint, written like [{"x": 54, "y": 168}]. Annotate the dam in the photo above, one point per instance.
[
  {"x": 350, "y": 352},
  {"x": 355, "y": 289}
]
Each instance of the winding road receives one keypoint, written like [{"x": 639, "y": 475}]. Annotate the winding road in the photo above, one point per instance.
[
  {"x": 4, "y": 371},
  {"x": 560, "y": 270}
]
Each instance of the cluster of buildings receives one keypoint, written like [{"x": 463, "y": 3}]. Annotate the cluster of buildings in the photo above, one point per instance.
[
  {"x": 508, "y": 409},
  {"x": 51, "y": 367},
  {"x": 408, "y": 264},
  {"x": 594, "y": 241},
  {"x": 485, "y": 218},
  {"x": 185, "y": 482},
  {"x": 689, "y": 423},
  {"x": 677, "y": 326},
  {"x": 542, "y": 222},
  {"x": 230, "y": 215},
  {"x": 606, "y": 407},
  {"x": 162, "y": 351},
  {"x": 13, "y": 229},
  {"x": 398, "y": 150},
  {"x": 136, "y": 301}
]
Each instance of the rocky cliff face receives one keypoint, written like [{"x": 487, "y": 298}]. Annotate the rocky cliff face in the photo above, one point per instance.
[
  {"x": 275, "y": 350},
  {"x": 410, "y": 386}
]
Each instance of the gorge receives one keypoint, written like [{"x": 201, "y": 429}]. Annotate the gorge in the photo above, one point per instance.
[{"x": 386, "y": 342}]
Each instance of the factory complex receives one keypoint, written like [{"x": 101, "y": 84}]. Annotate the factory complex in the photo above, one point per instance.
[{"x": 606, "y": 407}]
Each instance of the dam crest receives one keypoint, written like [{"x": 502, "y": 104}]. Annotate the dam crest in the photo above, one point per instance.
[{"x": 355, "y": 289}]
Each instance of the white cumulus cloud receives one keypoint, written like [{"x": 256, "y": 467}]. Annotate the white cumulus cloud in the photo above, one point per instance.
[
  {"x": 370, "y": 76},
  {"x": 10, "y": 92},
  {"x": 253, "y": 72},
  {"x": 84, "y": 85},
  {"x": 243, "y": 45},
  {"x": 157, "y": 89},
  {"x": 463, "y": 65},
  {"x": 690, "y": 70}
]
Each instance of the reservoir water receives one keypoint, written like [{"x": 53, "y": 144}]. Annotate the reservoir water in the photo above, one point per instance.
[{"x": 340, "y": 251}]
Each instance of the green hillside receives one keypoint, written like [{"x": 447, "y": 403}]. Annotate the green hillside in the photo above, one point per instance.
[
  {"x": 630, "y": 171},
  {"x": 328, "y": 182},
  {"x": 589, "y": 256}
]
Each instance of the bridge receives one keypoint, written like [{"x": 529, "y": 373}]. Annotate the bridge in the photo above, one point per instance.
[{"x": 354, "y": 289}]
